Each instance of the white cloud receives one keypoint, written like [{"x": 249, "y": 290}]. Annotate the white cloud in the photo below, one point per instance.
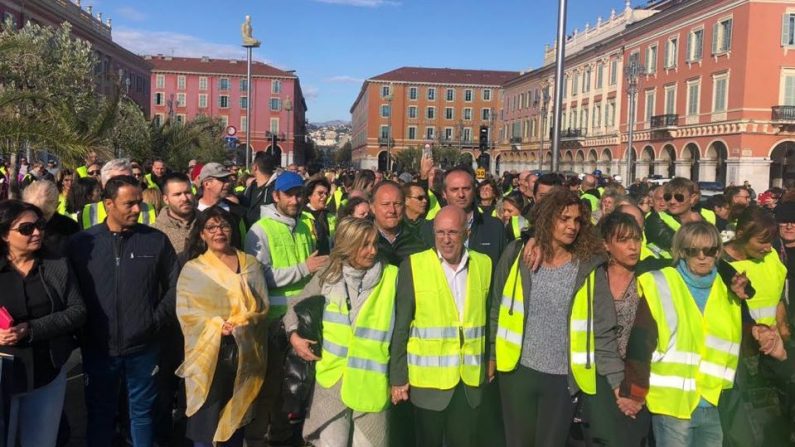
[
  {"x": 310, "y": 92},
  {"x": 361, "y": 3},
  {"x": 166, "y": 42},
  {"x": 130, "y": 13},
  {"x": 345, "y": 79}
]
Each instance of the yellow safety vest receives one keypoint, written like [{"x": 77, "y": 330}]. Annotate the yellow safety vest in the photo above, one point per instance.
[
  {"x": 358, "y": 351},
  {"x": 511, "y": 324},
  {"x": 309, "y": 219},
  {"x": 433, "y": 206},
  {"x": 650, "y": 250},
  {"x": 696, "y": 355},
  {"x": 768, "y": 276},
  {"x": 94, "y": 213},
  {"x": 518, "y": 223},
  {"x": 707, "y": 215},
  {"x": 591, "y": 199},
  {"x": 82, "y": 171},
  {"x": 61, "y": 205},
  {"x": 287, "y": 249},
  {"x": 443, "y": 348},
  {"x": 149, "y": 182}
]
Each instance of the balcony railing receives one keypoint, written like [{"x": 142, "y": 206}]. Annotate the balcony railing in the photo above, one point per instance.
[
  {"x": 783, "y": 113},
  {"x": 572, "y": 134},
  {"x": 384, "y": 141},
  {"x": 661, "y": 121},
  {"x": 516, "y": 140}
]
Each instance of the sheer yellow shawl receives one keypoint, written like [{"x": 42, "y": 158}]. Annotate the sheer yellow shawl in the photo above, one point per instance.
[{"x": 209, "y": 293}]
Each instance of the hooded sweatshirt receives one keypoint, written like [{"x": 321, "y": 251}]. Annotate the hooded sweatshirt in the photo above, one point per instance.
[{"x": 257, "y": 246}]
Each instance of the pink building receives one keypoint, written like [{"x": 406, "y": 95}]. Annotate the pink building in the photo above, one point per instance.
[{"x": 184, "y": 88}]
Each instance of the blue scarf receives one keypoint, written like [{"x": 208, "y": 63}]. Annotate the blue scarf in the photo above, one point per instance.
[{"x": 699, "y": 286}]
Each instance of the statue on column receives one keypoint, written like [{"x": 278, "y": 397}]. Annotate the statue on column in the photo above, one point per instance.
[{"x": 246, "y": 30}]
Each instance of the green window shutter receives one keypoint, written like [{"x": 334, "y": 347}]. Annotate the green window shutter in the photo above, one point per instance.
[
  {"x": 689, "y": 54},
  {"x": 785, "y": 30}
]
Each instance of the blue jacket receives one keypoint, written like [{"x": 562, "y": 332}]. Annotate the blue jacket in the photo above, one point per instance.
[{"x": 129, "y": 284}]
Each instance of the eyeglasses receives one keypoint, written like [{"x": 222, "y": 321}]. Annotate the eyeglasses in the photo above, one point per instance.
[
  {"x": 786, "y": 224},
  {"x": 93, "y": 172},
  {"x": 420, "y": 198},
  {"x": 27, "y": 228},
  {"x": 679, "y": 197},
  {"x": 215, "y": 228},
  {"x": 692, "y": 252},
  {"x": 450, "y": 233},
  {"x": 137, "y": 174}
]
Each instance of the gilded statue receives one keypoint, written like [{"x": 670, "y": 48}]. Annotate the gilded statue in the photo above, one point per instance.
[{"x": 246, "y": 30}]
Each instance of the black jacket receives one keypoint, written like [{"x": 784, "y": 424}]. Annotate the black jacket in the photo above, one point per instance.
[
  {"x": 487, "y": 236},
  {"x": 658, "y": 232},
  {"x": 129, "y": 283},
  {"x": 299, "y": 375},
  {"x": 406, "y": 244},
  {"x": 254, "y": 198}
]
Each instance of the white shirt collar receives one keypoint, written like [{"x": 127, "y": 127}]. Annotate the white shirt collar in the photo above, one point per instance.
[{"x": 461, "y": 265}]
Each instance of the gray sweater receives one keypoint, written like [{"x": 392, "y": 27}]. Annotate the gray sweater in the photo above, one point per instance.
[{"x": 608, "y": 362}]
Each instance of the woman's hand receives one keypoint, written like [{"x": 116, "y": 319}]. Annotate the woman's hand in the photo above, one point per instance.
[
  {"x": 739, "y": 281},
  {"x": 227, "y": 328},
  {"x": 14, "y": 334},
  {"x": 301, "y": 346},
  {"x": 531, "y": 255},
  {"x": 400, "y": 393},
  {"x": 628, "y": 406},
  {"x": 770, "y": 342}
]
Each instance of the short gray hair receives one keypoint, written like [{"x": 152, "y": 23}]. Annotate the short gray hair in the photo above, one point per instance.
[
  {"x": 117, "y": 164},
  {"x": 42, "y": 190},
  {"x": 692, "y": 233}
]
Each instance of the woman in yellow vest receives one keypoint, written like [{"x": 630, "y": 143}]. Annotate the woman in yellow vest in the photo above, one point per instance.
[
  {"x": 685, "y": 340},
  {"x": 64, "y": 181},
  {"x": 222, "y": 302},
  {"x": 752, "y": 253},
  {"x": 351, "y": 389},
  {"x": 510, "y": 212},
  {"x": 550, "y": 329}
]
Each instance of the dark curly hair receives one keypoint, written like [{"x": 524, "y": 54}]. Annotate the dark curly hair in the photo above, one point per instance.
[
  {"x": 196, "y": 245},
  {"x": 545, "y": 214}
]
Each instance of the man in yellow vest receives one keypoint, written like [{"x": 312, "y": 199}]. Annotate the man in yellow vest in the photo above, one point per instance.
[
  {"x": 94, "y": 213},
  {"x": 91, "y": 158},
  {"x": 155, "y": 178},
  {"x": 283, "y": 244},
  {"x": 438, "y": 345},
  {"x": 680, "y": 195}
]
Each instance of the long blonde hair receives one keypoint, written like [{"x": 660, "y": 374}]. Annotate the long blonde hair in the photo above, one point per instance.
[{"x": 352, "y": 234}]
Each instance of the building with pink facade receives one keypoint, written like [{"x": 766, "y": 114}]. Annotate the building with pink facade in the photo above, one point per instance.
[
  {"x": 184, "y": 88},
  {"x": 715, "y": 100}
]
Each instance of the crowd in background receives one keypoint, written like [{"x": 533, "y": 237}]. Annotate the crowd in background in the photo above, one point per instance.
[{"x": 216, "y": 305}]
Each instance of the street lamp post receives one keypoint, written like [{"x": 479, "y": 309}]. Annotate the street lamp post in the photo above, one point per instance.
[
  {"x": 389, "y": 98},
  {"x": 544, "y": 104},
  {"x": 288, "y": 107},
  {"x": 632, "y": 73},
  {"x": 560, "y": 55},
  {"x": 249, "y": 43}
]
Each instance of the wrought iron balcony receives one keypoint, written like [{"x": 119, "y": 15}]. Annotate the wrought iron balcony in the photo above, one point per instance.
[
  {"x": 783, "y": 113},
  {"x": 662, "y": 121},
  {"x": 384, "y": 141},
  {"x": 516, "y": 140},
  {"x": 572, "y": 134}
]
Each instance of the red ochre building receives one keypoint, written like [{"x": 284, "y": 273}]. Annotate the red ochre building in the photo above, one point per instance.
[
  {"x": 437, "y": 106},
  {"x": 184, "y": 88},
  {"x": 716, "y": 101},
  {"x": 114, "y": 62}
]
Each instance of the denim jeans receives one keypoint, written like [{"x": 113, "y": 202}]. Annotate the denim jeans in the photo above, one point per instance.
[
  {"x": 103, "y": 375},
  {"x": 34, "y": 416},
  {"x": 701, "y": 430}
]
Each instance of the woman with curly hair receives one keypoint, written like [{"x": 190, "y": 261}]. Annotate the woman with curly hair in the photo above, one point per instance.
[{"x": 549, "y": 327}]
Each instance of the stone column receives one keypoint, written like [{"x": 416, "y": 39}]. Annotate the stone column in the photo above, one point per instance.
[
  {"x": 661, "y": 168},
  {"x": 682, "y": 168},
  {"x": 754, "y": 169},
  {"x": 642, "y": 169}
]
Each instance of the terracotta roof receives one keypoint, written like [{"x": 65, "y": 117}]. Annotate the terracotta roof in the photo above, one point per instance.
[
  {"x": 447, "y": 76},
  {"x": 220, "y": 66}
]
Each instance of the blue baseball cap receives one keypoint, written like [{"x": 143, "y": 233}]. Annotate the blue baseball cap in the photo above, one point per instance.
[{"x": 288, "y": 180}]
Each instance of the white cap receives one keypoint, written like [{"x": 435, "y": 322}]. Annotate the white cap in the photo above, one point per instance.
[{"x": 617, "y": 178}]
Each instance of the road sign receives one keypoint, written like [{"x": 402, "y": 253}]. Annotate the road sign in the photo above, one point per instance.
[
  {"x": 480, "y": 174},
  {"x": 231, "y": 130},
  {"x": 231, "y": 142}
]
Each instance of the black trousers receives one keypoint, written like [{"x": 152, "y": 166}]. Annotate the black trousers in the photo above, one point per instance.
[
  {"x": 455, "y": 426},
  {"x": 605, "y": 425},
  {"x": 536, "y": 408}
]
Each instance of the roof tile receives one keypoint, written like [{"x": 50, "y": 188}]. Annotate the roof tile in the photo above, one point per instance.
[
  {"x": 447, "y": 76},
  {"x": 207, "y": 65}
]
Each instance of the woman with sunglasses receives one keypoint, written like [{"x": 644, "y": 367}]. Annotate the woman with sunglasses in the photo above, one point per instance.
[
  {"x": 680, "y": 195},
  {"x": 221, "y": 307},
  {"x": 42, "y": 310},
  {"x": 752, "y": 252},
  {"x": 684, "y": 344}
]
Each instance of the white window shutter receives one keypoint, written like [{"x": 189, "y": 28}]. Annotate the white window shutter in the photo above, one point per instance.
[
  {"x": 667, "y": 58},
  {"x": 727, "y": 38},
  {"x": 689, "y": 54},
  {"x": 715, "y": 39}
]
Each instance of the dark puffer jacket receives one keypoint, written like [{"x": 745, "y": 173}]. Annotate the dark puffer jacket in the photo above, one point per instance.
[{"x": 129, "y": 283}]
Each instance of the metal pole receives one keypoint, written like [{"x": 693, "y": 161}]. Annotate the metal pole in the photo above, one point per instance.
[
  {"x": 559, "y": 62},
  {"x": 630, "y": 132},
  {"x": 248, "y": 109},
  {"x": 543, "y": 129},
  {"x": 389, "y": 134}
]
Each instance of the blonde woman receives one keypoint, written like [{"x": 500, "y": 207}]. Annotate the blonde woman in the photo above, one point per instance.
[
  {"x": 351, "y": 391},
  {"x": 221, "y": 306}
]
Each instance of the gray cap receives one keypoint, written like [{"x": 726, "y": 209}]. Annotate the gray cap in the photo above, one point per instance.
[
  {"x": 406, "y": 177},
  {"x": 216, "y": 170}
]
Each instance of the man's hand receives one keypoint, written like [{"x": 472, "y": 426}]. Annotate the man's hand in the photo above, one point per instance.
[
  {"x": 400, "y": 393},
  {"x": 739, "y": 281},
  {"x": 315, "y": 262},
  {"x": 491, "y": 371},
  {"x": 531, "y": 255},
  {"x": 301, "y": 346},
  {"x": 628, "y": 407},
  {"x": 426, "y": 165}
]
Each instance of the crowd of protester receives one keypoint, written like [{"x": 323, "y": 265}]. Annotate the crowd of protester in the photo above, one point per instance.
[{"x": 215, "y": 305}]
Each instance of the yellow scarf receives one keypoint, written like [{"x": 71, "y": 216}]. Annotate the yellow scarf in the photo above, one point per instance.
[{"x": 208, "y": 293}]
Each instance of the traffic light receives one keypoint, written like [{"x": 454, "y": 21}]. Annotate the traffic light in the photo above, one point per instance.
[{"x": 484, "y": 138}]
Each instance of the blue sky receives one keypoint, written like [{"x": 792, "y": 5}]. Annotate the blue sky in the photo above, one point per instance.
[{"x": 335, "y": 44}]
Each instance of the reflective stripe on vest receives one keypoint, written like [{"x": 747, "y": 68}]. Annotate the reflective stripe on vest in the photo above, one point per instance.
[
  {"x": 94, "y": 213},
  {"x": 768, "y": 276},
  {"x": 696, "y": 355},
  {"x": 445, "y": 348},
  {"x": 358, "y": 352},
  {"x": 287, "y": 249},
  {"x": 511, "y": 324}
]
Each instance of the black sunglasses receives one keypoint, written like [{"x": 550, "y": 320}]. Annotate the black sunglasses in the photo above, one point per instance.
[
  {"x": 27, "y": 228},
  {"x": 678, "y": 197},
  {"x": 709, "y": 252}
]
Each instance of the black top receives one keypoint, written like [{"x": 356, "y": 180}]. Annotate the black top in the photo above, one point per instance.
[
  {"x": 406, "y": 244},
  {"x": 57, "y": 232},
  {"x": 323, "y": 242}
]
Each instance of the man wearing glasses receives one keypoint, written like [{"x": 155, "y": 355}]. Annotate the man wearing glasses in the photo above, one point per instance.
[
  {"x": 680, "y": 195},
  {"x": 215, "y": 181},
  {"x": 416, "y": 205}
]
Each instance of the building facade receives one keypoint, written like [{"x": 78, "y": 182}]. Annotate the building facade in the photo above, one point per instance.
[
  {"x": 437, "y": 106},
  {"x": 115, "y": 63},
  {"x": 715, "y": 95},
  {"x": 184, "y": 88}
]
